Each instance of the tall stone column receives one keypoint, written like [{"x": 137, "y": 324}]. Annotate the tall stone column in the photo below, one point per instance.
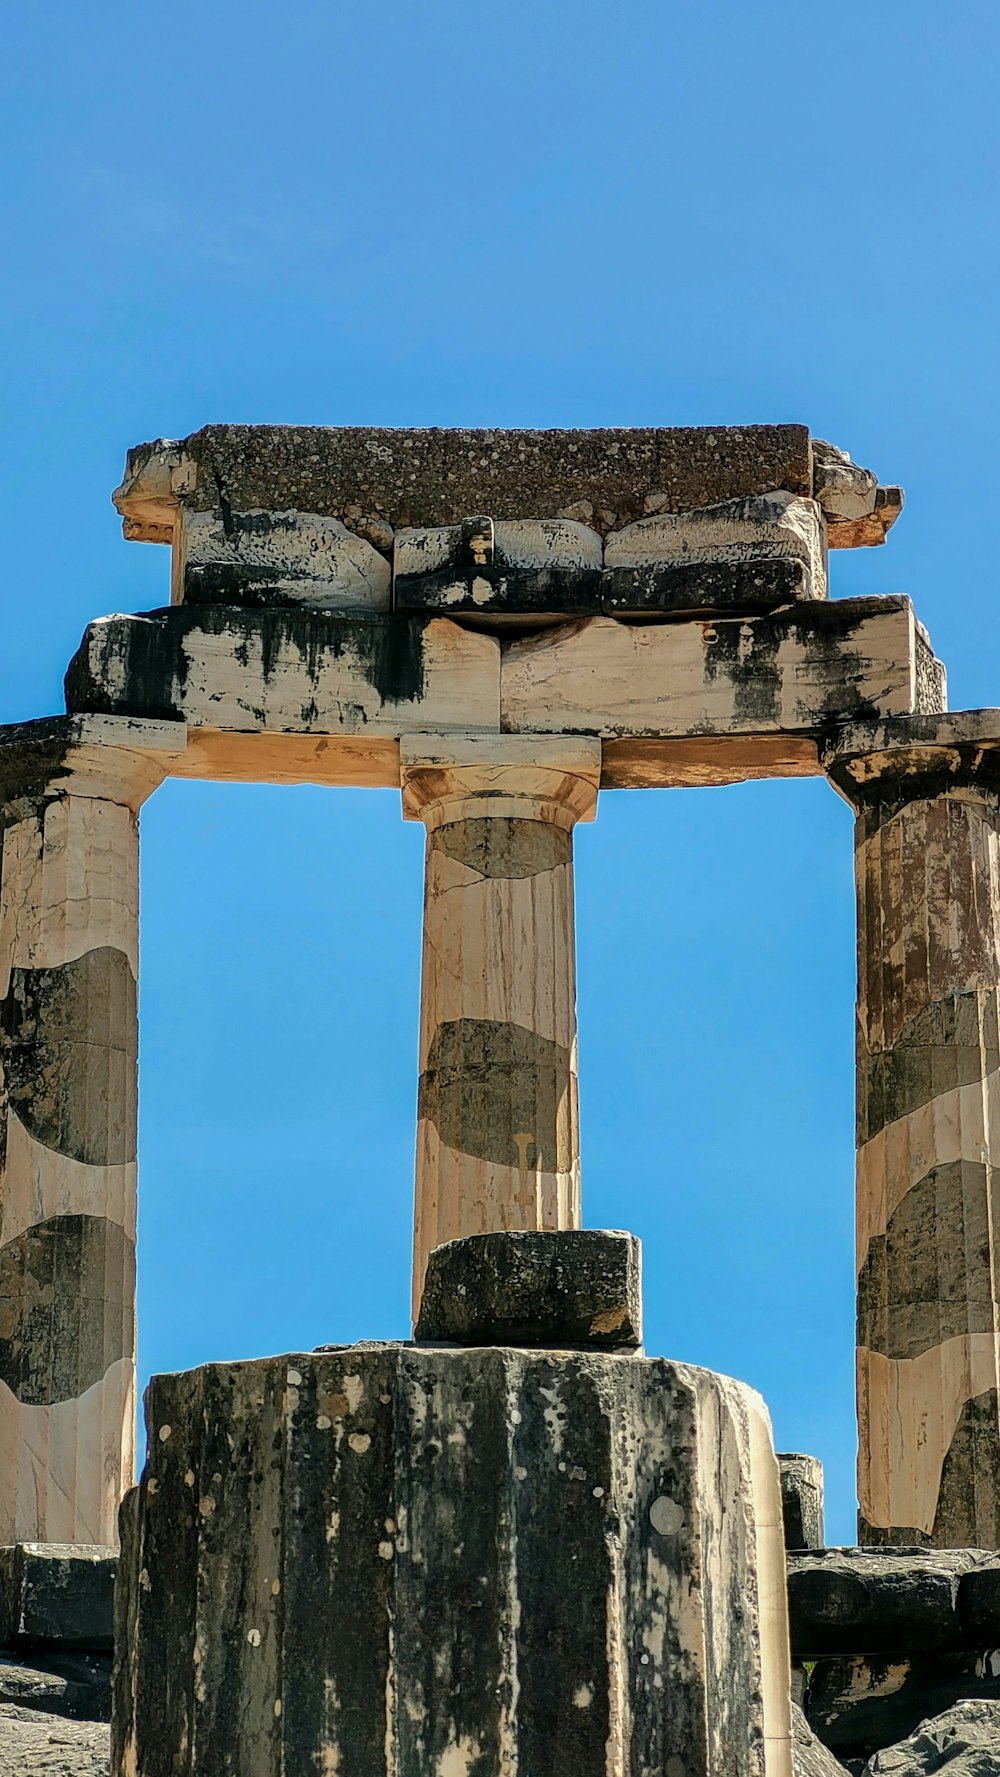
[
  {"x": 68, "y": 1047},
  {"x": 498, "y": 1122},
  {"x": 928, "y": 882}
]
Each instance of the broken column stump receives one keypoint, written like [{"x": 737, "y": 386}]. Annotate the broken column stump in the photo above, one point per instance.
[{"x": 413, "y": 1561}]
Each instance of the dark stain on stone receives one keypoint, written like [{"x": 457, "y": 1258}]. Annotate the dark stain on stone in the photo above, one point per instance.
[
  {"x": 928, "y": 1277},
  {"x": 752, "y": 671},
  {"x": 67, "y": 1287},
  {"x": 562, "y": 591},
  {"x": 968, "y": 1509},
  {"x": 705, "y": 586},
  {"x": 953, "y": 1042},
  {"x": 69, "y": 1042},
  {"x": 487, "y": 1082},
  {"x": 504, "y": 846}
]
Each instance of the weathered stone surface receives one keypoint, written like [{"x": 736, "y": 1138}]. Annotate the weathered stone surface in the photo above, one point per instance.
[
  {"x": 965, "y": 1741},
  {"x": 417, "y": 1560},
  {"x": 289, "y": 670},
  {"x": 843, "y": 489},
  {"x": 802, "y": 1500},
  {"x": 927, "y": 861},
  {"x": 872, "y": 528},
  {"x": 74, "y": 1685},
  {"x": 749, "y": 555},
  {"x": 873, "y": 1601},
  {"x": 810, "y": 1758},
  {"x": 409, "y": 477},
  {"x": 56, "y": 1595},
  {"x": 547, "y": 567},
  {"x": 498, "y": 1122},
  {"x": 276, "y": 558},
  {"x": 36, "y": 1745},
  {"x": 859, "y": 1705},
  {"x": 798, "y": 671},
  {"x": 578, "y": 1286}
]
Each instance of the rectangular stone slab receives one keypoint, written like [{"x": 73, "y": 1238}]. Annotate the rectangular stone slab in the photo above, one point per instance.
[
  {"x": 297, "y": 671},
  {"x": 872, "y": 1601},
  {"x": 804, "y": 669},
  {"x": 409, "y": 476},
  {"x": 57, "y": 1595}
]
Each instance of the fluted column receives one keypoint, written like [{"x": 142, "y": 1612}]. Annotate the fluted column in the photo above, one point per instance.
[
  {"x": 928, "y": 886},
  {"x": 498, "y": 1124},
  {"x": 68, "y": 1047}
]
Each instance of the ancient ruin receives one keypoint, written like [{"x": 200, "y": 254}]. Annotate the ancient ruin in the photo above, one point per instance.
[{"x": 517, "y": 1546}]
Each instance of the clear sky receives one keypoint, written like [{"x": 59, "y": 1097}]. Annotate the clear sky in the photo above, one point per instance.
[{"x": 520, "y": 214}]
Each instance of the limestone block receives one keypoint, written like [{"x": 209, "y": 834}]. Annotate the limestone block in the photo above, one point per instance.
[
  {"x": 510, "y": 567},
  {"x": 411, "y": 477},
  {"x": 748, "y": 555},
  {"x": 56, "y": 1595},
  {"x": 965, "y": 1739},
  {"x": 802, "y": 1501},
  {"x": 408, "y": 1560},
  {"x": 810, "y": 1758},
  {"x": 276, "y": 558},
  {"x": 857, "y": 1706},
  {"x": 575, "y": 1286},
  {"x": 843, "y": 489},
  {"x": 871, "y": 529},
  {"x": 873, "y": 1601},
  {"x": 297, "y": 671},
  {"x": 33, "y": 1744},
  {"x": 799, "y": 670},
  {"x": 77, "y": 1685}
]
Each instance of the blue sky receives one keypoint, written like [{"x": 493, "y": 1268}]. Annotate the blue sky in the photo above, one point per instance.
[{"x": 544, "y": 214}]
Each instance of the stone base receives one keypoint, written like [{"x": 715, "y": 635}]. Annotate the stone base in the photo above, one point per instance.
[
  {"x": 57, "y": 1595},
  {"x": 410, "y": 1562}
]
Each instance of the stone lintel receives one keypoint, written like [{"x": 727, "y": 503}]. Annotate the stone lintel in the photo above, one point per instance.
[
  {"x": 864, "y": 1601},
  {"x": 109, "y": 758},
  {"x": 571, "y": 1287},
  {"x": 914, "y": 756},
  {"x": 551, "y": 778},
  {"x": 57, "y": 1595}
]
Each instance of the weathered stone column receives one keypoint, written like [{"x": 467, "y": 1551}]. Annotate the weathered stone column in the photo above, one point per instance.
[
  {"x": 68, "y": 1046},
  {"x": 927, "y": 796},
  {"x": 498, "y": 1125}
]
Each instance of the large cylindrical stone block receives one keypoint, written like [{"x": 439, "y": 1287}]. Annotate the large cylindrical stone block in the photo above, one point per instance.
[
  {"x": 392, "y": 1561},
  {"x": 69, "y": 881},
  {"x": 928, "y": 885},
  {"x": 498, "y": 1127}
]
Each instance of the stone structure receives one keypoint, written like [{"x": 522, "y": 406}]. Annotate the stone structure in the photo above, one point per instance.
[{"x": 501, "y": 625}]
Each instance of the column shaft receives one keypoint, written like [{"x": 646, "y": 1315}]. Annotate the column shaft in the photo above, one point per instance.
[
  {"x": 68, "y": 1051},
  {"x": 498, "y": 1123},
  {"x": 928, "y": 879}
]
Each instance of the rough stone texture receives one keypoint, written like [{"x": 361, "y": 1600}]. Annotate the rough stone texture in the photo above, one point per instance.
[
  {"x": 877, "y": 1600},
  {"x": 276, "y": 558},
  {"x": 871, "y": 528},
  {"x": 928, "y": 877},
  {"x": 521, "y": 1561},
  {"x": 965, "y": 1741},
  {"x": 574, "y": 1287},
  {"x": 802, "y": 1500},
  {"x": 439, "y": 476},
  {"x": 36, "y": 1745},
  {"x": 859, "y": 1705},
  {"x": 810, "y": 1758},
  {"x": 77, "y": 1685},
  {"x": 498, "y": 1120},
  {"x": 843, "y": 489},
  {"x": 57, "y": 1595},
  {"x": 746, "y": 555}
]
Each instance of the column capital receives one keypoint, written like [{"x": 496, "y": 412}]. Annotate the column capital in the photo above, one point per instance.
[
  {"x": 107, "y": 758},
  {"x": 540, "y": 777},
  {"x": 912, "y": 758}
]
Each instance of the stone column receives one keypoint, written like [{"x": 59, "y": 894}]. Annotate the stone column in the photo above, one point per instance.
[
  {"x": 928, "y": 885},
  {"x": 68, "y": 1046},
  {"x": 498, "y": 1123}
]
